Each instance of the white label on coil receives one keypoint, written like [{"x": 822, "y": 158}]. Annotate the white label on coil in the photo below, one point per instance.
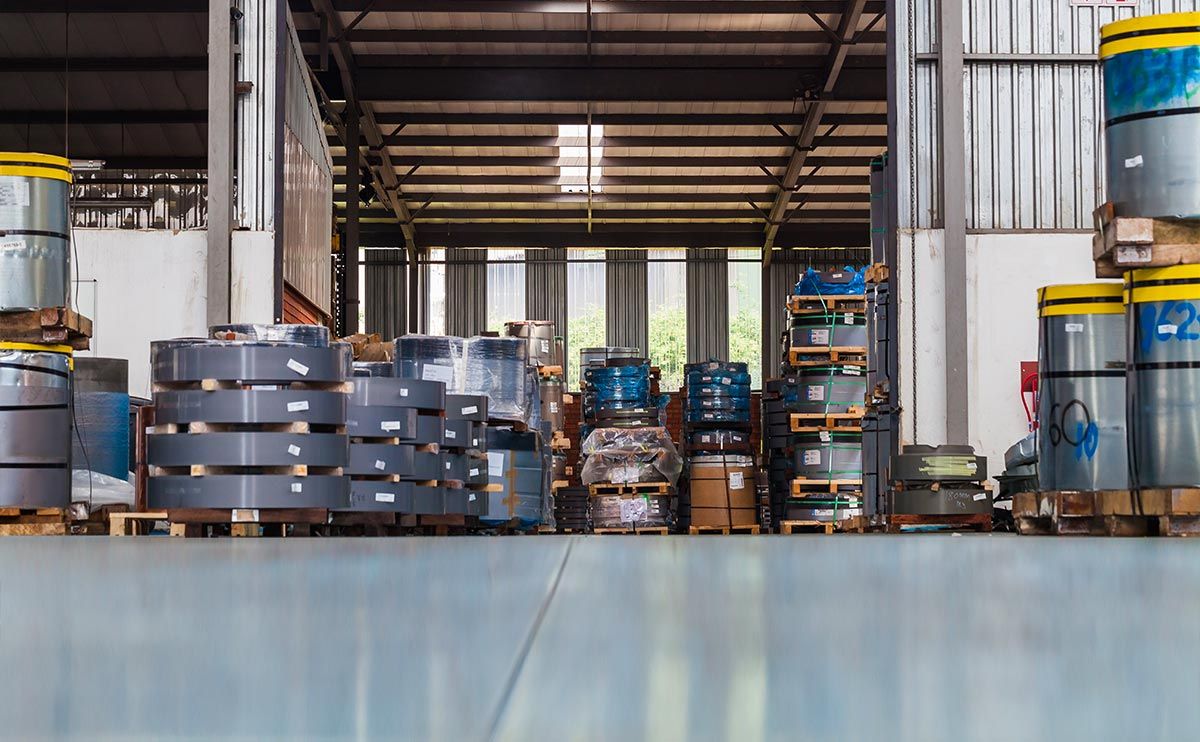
[
  {"x": 814, "y": 393},
  {"x": 1167, "y": 329},
  {"x": 294, "y": 450},
  {"x": 14, "y": 194},
  {"x": 553, "y": 407},
  {"x": 848, "y": 318},
  {"x": 469, "y": 410},
  {"x": 727, "y": 381},
  {"x": 451, "y": 434},
  {"x": 972, "y": 466},
  {"x": 243, "y": 516},
  {"x": 634, "y": 510},
  {"x": 545, "y": 346},
  {"x": 435, "y": 372},
  {"x": 389, "y": 425},
  {"x": 1073, "y": 327},
  {"x": 300, "y": 406},
  {"x": 385, "y": 497},
  {"x": 11, "y": 244},
  {"x": 835, "y": 275},
  {"x": 473, "y": 473},
  {"x": 447, "y": 466},
  {"x": 737, "y": 480},
  {"x": 297, "y": 366},
  {"x": 812, "y": 456},
  {"x": 297, "y": 487},
  {"x": 825, "y": 436},
  {"x": 474, "y": 441},
  {"x": 495, "y": 463},
  {"x": 851, "y": 371},
  {"x": 706, "y": 439},
  {"x": 404, "y": 391},
  {"x": 979, "y": 496},
  {"x": 818, "y": 337},
  {"x": 471, "y": 497},
  {"x": 1135, "y": 161},
  {"x": 380, "y": 464}
]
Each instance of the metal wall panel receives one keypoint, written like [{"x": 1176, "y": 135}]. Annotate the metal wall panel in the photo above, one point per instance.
[
  {"x": 707, "y": 305},
  {"x": 307, "y": 182},
  {"x": 466, "y": 291},
  {"x": 626, "y": 314},
  {"x": 259, "y": 47},
  {"x": 546, "y": 287},
  {"x": 386, "y": 288}
]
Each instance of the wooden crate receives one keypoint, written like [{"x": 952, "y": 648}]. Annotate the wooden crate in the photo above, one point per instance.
[
  {"x": 1148, "y": 512},
  {"x": 1123, "y": 243},
  {"x": 49, "y": 326}
]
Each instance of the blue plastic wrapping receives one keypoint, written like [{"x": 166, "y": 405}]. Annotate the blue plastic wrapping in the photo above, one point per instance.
[
  {"x": 620, "y": 387},
  {"x": 717, "y": 377},
  {"x": 717, "y": 367},
  {"x": 102, "y": 424},
  {"x": 845, "y": 282},
  {"x": 718, "y": 390},
  {"x": 718, "y": 403},
  {"x": 715, "y": 416}
]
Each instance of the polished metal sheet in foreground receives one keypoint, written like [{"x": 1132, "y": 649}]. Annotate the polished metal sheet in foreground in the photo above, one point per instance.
[{"x": 907, "y": 638}]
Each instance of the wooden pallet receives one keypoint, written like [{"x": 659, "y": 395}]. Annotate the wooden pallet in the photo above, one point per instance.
[
  {"x": 877, "y": 273},
  {"x": 1150, "y": 512},
  {"x": 72, "y": 520},
  {"x": 604, "y": 489},
  {"x": 192, "y": 522},
  {"x": 853, "y": 524},
  {"x": 1123, "y": 243},
  {"x": 843, "y": 422},
  {"x": 802, "y": 486},
  {"x": 753, "y": 530},
  {"x": 560, "y": 442},
  {"x": 972, "y": 521},
  {"x": 633, "y": 531},
  {"x": 558, "y": 484},
  {"x": 49, "y": 326},
  {"x": 817, "y": 356},
  {"x": 549, "y": 371},
  {"x": 822, "y": 304}
]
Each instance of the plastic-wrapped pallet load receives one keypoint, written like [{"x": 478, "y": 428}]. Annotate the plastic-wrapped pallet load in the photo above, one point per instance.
[
  {"x": 630, "y": 455},
  {"x": 493, "y": 367},
  {"x": 516, "y": 467}
]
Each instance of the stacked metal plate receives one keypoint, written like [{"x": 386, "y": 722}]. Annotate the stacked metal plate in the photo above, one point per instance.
[
  {"x": 249, "y": 424},
  {"x": 464, "y": 447},
  {"x": 571, "y": 509},
  {"x": 939, "y": 480},
  {"x": 35, "y": 429},
  {"x": 516, "y": 469}
]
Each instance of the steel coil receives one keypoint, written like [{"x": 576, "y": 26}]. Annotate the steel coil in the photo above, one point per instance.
[
  {"x": 35, "y": 429},
  {"x": 35, "y": 254}
]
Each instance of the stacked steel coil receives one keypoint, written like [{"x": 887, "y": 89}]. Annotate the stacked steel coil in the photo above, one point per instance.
[
  {"x": 939, "y": 480},
  {"x": 248, "y": 424},
  {"x": 1081, "y": 438},
  {"x": 35, "y": 254},
  {"x": 35, "y": 428},
  {"x": 571, "y": 509},
  {"x": 539, "y": 337}
]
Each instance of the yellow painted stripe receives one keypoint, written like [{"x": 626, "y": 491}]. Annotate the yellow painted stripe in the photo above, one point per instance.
[
  {"x": 35, "y": 157},
  {"x": 1150, "y": 294},
  {"x": 1059, "y": 310},
  {"x": 1139, "y": 43},
  {"x": 1079, "y": 291},
  {"x": 1149, "y": 23},
  {"x": 1170, "y": 273},
  {"x": 36, "y": 172},
  {"x": 65, "y": 350}
]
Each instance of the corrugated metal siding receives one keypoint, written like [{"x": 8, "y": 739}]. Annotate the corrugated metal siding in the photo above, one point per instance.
[
  {"x": 386, "y": 291},
  {"x": 1032, "y": 124},
  {"x": 259, "y": 48},
  {"x": 707, "y": 314},
  {"x": 546, "y": 287},
  {"x": 626, "y": 314},
  {"x": 466, "y": 291},
  {"x": 307, "y": 183}
]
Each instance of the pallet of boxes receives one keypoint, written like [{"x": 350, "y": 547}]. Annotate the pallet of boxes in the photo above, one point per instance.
[
  {"x": 629, "y": 463},
  {"x": 39, "y": 334},
  {"x": 720, "y": 491},
  {"x": 812, "y": 413},
  {"x": 1119, "y": 362}
]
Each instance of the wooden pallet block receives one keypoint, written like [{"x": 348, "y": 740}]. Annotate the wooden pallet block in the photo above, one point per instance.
[
  {"x": 601, "y": 489},
  {"x": 560, "y": 442},
  {"x": 853, "y": 524},
  {"x": 1123, "y": 243},
  {"x": 548, "y": 371},
  {"x": 1148, "y": 512},
  {"x": 72, "y": 520},
  {"x": 647, "y": 531},
  {"x": 753, "y": 530},
  {"x": 877, "y": 273},
  {"x": 48, "y": 326},
  {"x": 848, "y": 355},
  {"x": 828, "y": 303},
  {"x": 810, "y": 422},
  {"x": 298, "y": 427},
  {"x": 803, "y": 486},
  {"x": 193, "y": 521}
]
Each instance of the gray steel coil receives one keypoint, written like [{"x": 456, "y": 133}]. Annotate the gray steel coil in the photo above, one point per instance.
[
  {"x": 1163, "y": 384},
  {"x": 313, "y": 336},
  {"x": 35, "y": 250},
  {"x": 539, "y": 337},
  {"x": 35, "y": 429},
  {"x": 833, "y": 330},
  {"x": 828, "y": 455},
  {"x": 248, "y": 491},
  {"x": 552, "y": 403},
  {"x": 1081, "y": 436}
]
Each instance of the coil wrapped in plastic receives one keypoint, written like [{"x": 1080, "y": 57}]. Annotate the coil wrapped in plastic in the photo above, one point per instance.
[
  {"x": 718, "y": 390},
  {"x": 716, "y": 416},
  {"x": 430, "y": 358},
  {"x": 845, "y": 282},
  {"x": 313, "y": 336},
  {"x": 496, "y": 368},
  {"x": 620, "y": 387},
  {"x": 374, "y": 368},
  {"x": 630, "y": 455}
]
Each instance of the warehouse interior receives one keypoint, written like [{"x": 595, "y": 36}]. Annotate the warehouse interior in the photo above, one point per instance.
[{"x": 760, "y": 354}]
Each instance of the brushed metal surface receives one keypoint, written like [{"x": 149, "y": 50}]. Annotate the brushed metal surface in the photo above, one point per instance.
[
  {"x": 248, "y": 491},
  {"x": 34, "y": 268},
  {"x": 257, "y": 406}
]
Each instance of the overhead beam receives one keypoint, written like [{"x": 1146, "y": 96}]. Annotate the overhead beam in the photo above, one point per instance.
[
  {"x": 514, "y": 36},
  {"x": 835, "y": 76},
  {"x": 554, "y": 142},
  {"x": 617, "y": 84},
  {"x": 797, "y": 63},
  {"x": 122, "y": 116},
  {"x": 630, "y": 180},
  {"x": 557, "y": 197},
  {"x": 104, "y": 64},
  {"x": 610, "y": 162},
  {"x": 596, "y": 7},
  {"x": 812, "y": 236},
  {"x": 598, "y": 214},
  {"x": 624, "y": 119},
  {"x": 75, "y": 7}
]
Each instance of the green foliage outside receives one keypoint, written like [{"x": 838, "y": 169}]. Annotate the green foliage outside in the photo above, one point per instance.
[
  {"x": 668, "y": 345},
  {"x": 586, "y": 330}
]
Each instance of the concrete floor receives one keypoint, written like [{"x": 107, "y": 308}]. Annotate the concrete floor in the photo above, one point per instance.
[{"x": 922, "y": 637}]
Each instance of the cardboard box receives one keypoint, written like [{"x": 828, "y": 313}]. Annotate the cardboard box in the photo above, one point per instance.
[
  {"x": 735, "y": 488},
  {"x": 724, "y": 517}
]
